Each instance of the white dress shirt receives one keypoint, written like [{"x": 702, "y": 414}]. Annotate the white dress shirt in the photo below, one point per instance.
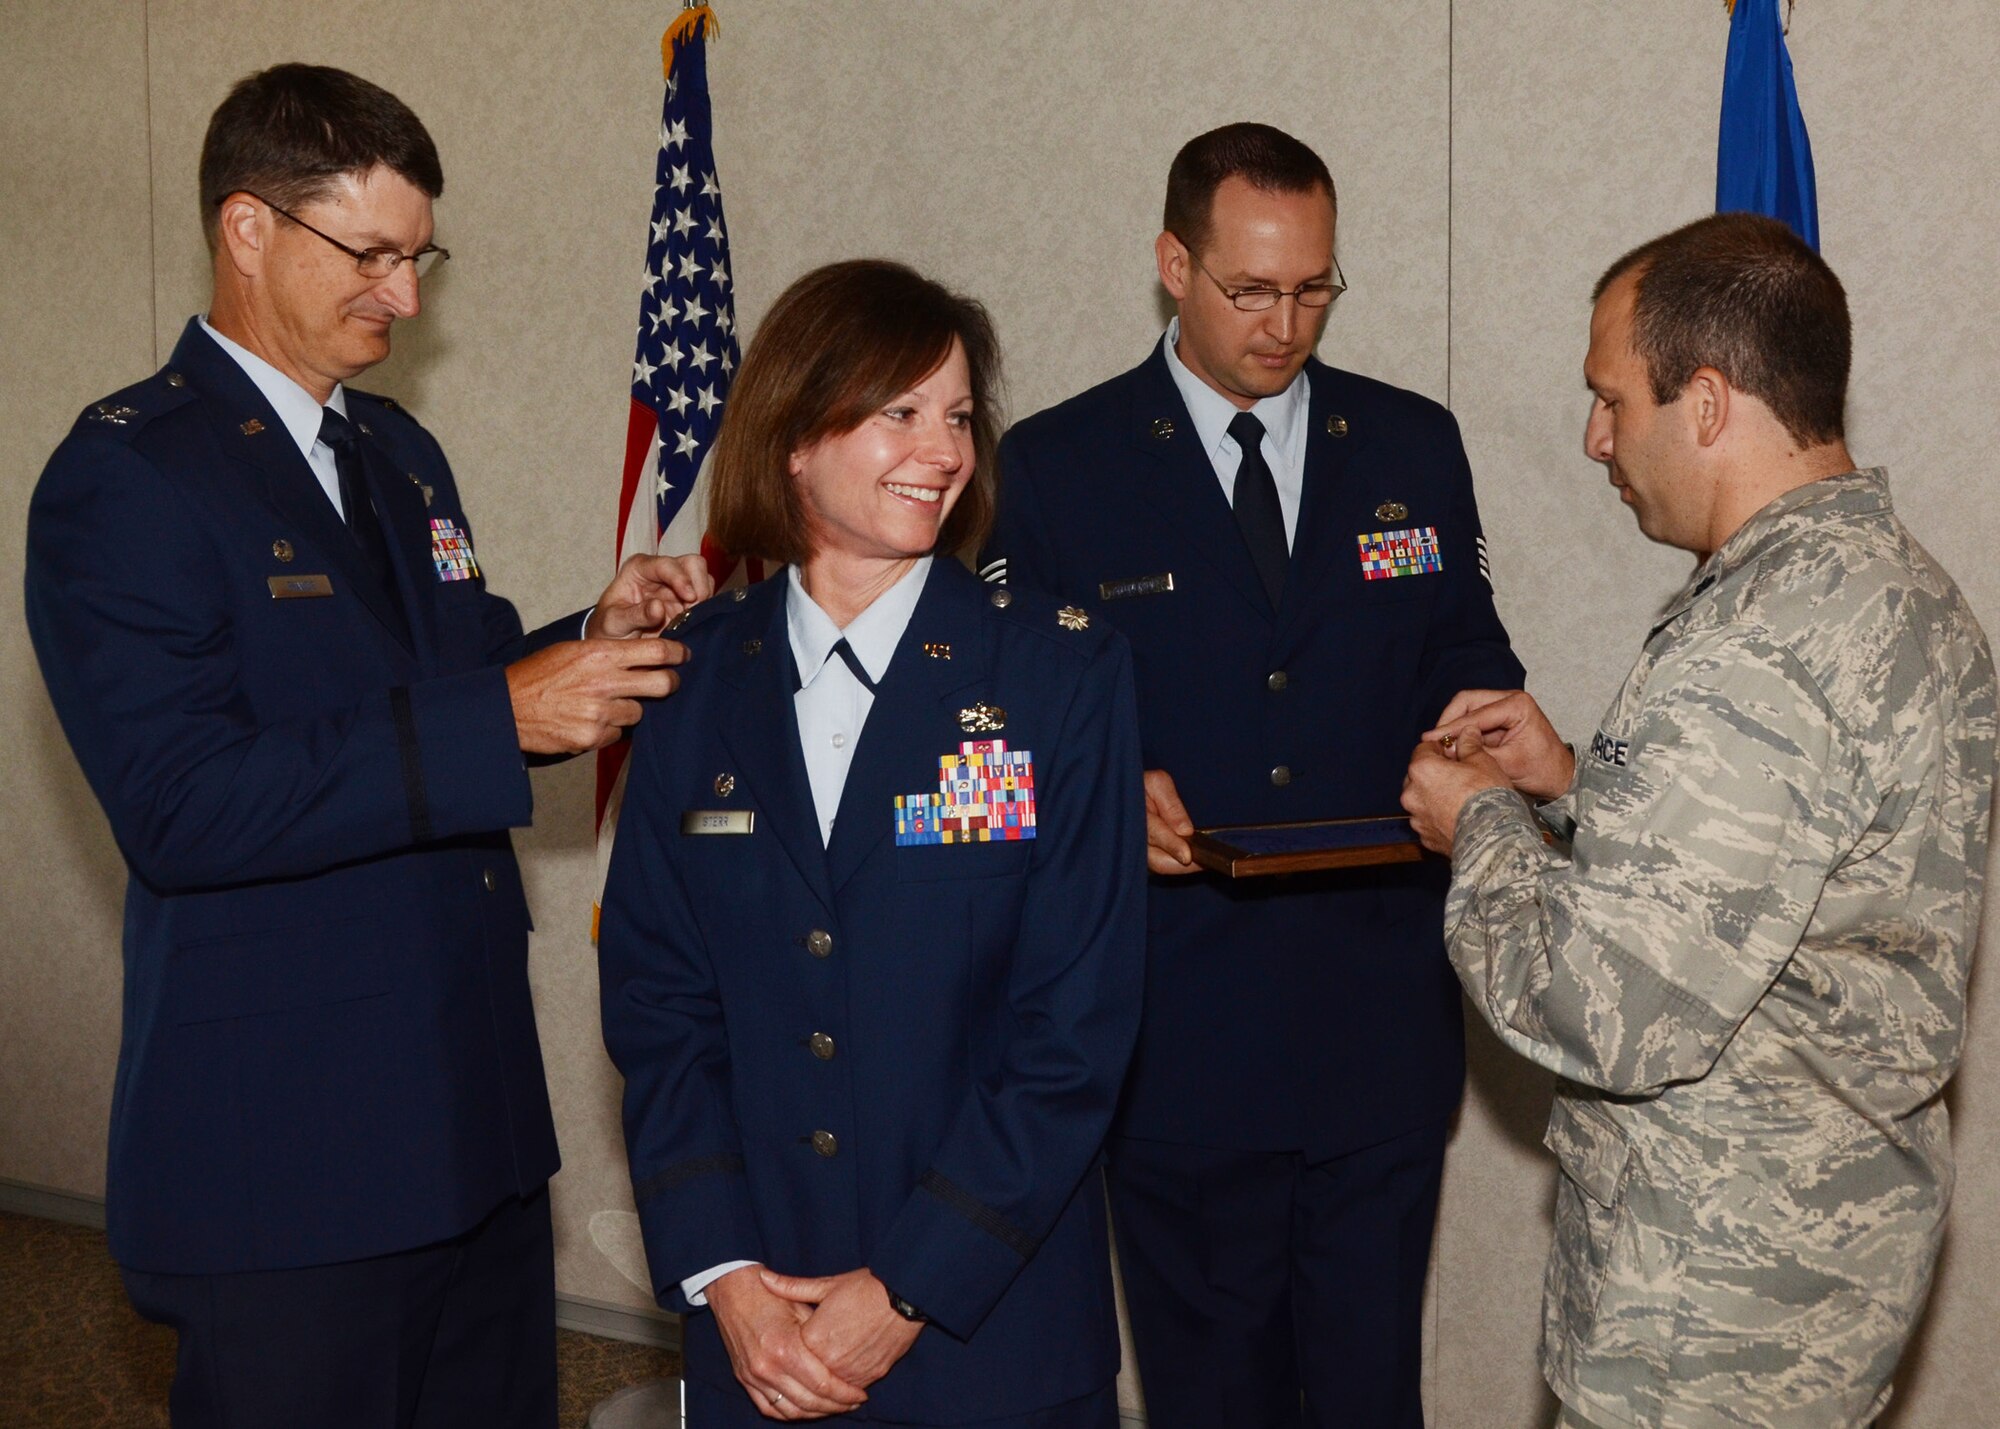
[
  {"x": 297, "y": 408},
  {"x": 1284, "y": 417},
  {"x": 832, "y": 707}
]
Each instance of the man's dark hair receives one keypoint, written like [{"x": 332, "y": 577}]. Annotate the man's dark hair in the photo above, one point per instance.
[
  {"x": 288, "y": 132},
  {"x": 1266, "y": 158},
  {"x": 1747, "y": 296}
]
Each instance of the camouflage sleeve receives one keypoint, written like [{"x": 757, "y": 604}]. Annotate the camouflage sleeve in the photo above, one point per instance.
[{"x": 1628, "y": 963}]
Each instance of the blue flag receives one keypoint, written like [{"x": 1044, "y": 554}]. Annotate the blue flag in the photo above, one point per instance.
[{"x": 1763, "y": 159}]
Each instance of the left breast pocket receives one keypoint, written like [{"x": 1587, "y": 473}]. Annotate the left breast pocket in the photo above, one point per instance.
[{"x": 928, "y": 863}]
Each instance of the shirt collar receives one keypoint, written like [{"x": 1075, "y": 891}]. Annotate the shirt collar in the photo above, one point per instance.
[
  {"x": 1831, "y": 498},
  {"x": 1283, "y": 416},
  {"x": 296, "y": 407},
  {"x": 872, "y": 635}
]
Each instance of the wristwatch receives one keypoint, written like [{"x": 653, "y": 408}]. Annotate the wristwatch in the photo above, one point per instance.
[{"x": 906, "y": 1309}]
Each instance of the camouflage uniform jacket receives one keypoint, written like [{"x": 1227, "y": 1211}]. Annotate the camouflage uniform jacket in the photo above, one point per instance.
[{"x": 1748, "y": 963}]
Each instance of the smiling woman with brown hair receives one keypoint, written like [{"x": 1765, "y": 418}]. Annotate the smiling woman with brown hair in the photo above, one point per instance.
[{"x": 871, "y": 950}]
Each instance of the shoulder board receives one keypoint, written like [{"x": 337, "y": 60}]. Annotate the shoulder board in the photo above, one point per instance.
[
  {"x": 720, "y": 604},
  {"x": 382, "y": 404},
  {"x": 1070, "y": 625},
  {"x": 132, "y": 408}
]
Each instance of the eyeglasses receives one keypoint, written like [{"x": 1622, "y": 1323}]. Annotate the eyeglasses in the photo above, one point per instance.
[
  {"x": 1258, "y": 300},
  {"x": 373, "y": 262}
]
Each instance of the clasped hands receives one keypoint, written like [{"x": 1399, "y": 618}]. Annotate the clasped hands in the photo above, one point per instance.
[
  {"x": 1485, "y": 739},
  {"x": 584, "y": 694},
  {"x": 806, "y": 1348}
]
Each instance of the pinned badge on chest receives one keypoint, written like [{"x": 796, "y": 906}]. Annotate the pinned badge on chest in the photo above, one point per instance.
[
  {"x": 985, "y": 794},
  {"x": 1411, "y": 552},
  {"x": 451, "y": 551}
]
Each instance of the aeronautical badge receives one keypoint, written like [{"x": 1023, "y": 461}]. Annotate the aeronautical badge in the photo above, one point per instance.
[
  {"x": 982, "y": 719},
  {"x": 451, "y": 551},
  {"x": 1071, "y": 617},
  {"x": 1411, "y": 552},
  {"x": 985, "y": 794},
  {"x": 1392, "y": 511}
]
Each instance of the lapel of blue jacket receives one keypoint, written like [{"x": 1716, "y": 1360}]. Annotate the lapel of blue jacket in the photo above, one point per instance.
[
  {"x": 914, "y": 711},
  {"x": 760, "y": 727},
  {"x": 1320, "y": 543},
  {"x": 249, "y": 431},
  {"x": 1179, "y": 480},
  {"x": 406, "y": 525}
]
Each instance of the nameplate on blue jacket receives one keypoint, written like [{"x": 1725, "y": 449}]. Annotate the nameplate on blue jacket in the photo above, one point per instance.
[
  {"x": 1161, "y": 584},
  {"x": 719, "y": 821},
  {"x": 299, "y": 587},
  {"x": 985, "y": 794}
]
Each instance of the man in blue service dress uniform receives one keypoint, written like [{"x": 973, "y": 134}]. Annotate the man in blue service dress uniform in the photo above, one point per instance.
[
  {"x": 256, "y": 602},
  {"x": 1295, "y": 554}
]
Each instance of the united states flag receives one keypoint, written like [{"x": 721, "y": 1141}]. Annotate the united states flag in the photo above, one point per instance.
[{"x": 686, "y": 351}]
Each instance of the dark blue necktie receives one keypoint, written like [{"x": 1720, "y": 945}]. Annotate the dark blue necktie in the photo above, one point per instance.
[
  {"x": 1258, "y": 515},
  {"x": 362, "y": 522},
  {"x": 853, "y": 663}
]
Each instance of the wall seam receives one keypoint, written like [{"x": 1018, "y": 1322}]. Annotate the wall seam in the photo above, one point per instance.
[
  {"x": 152, "y": 215},
  {"x": 1450, "y": 179}
]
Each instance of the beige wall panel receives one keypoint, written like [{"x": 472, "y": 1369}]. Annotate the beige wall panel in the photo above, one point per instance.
[
  {"x": 1019, "y": 154},
  {"x": 76, "y": 309},
  {"x": 1580, "y": 131}
]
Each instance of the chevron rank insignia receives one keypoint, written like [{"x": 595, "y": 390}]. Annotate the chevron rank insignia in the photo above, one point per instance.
[
  {"x": 1411, "y": 552},
  {"x": 451, "y": 551},
  {"x": 985, "y": 794}
]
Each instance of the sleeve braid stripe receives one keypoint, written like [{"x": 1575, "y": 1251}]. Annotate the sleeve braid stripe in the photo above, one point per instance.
[
  {"x": 681, "y": 1172},
  {"x": 980, "y": 1214}
]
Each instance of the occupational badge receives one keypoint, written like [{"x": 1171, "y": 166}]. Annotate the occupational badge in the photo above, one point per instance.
[
  {"x": 985, "y": 794},
  {"x": 982, "y": 719}
]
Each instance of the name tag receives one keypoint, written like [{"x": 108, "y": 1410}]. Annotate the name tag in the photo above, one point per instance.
[
  {"x": 1607, "y": 750},
  {"x": 299, "y": 587},
  {"x": 718, "y": 821},
  {"x": 1161, "y": 584}
]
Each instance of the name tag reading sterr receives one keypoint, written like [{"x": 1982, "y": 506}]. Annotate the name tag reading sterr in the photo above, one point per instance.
[
  {"x": 1161, "y": 584},
  {"x": 296, "y": 587},
  {"x": 718, "y": 821}
]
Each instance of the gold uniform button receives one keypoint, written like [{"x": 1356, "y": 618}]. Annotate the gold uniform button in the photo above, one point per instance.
[
  {"x": 1276, "y": 681},
  {"x": 822, "y": 1046},
  {"x": 1282, "y": 775},
  {"x": 826, "y": 1143},
  {"x": 819, "y": 942},
  {"x": 174, "y": 379},
  {"x": 488, "y": 880},
  {"x": 1001, "y": 598}
]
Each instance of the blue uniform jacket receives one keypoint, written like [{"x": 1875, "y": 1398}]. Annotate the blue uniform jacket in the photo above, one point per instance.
[
  {"x": 1313, "y": 1012},
  {"x": 903, "y": 1057},
  {"x": 328, "y": 1047}
]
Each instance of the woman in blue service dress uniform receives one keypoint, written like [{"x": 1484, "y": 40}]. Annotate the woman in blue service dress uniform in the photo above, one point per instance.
[{"x": 873, "y": 936}]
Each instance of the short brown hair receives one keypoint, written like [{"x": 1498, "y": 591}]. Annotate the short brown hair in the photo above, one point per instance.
[
  {"x": 286, "y": 133},
  {"x": 837, "y": 345},
  {"x": 1264, "y": 157},
  {"x": 1743, "y": 294}
]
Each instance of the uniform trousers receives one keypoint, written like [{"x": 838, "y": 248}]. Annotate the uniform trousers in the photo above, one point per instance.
[
  {"x": 1267, "y": 1292},
  {"x": 457, "y": 1335},
  {"x": 710, "y": 1407}
]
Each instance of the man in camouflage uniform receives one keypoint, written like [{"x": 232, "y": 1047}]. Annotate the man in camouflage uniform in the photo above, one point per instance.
[{"x": 1746, "y": 951}]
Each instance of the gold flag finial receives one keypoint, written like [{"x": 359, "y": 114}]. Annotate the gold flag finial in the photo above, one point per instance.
[{"x": 693, "y": 20}]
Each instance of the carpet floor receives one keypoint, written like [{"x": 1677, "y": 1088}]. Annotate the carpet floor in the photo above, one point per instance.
[{"x": 73, "y": 1355}]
